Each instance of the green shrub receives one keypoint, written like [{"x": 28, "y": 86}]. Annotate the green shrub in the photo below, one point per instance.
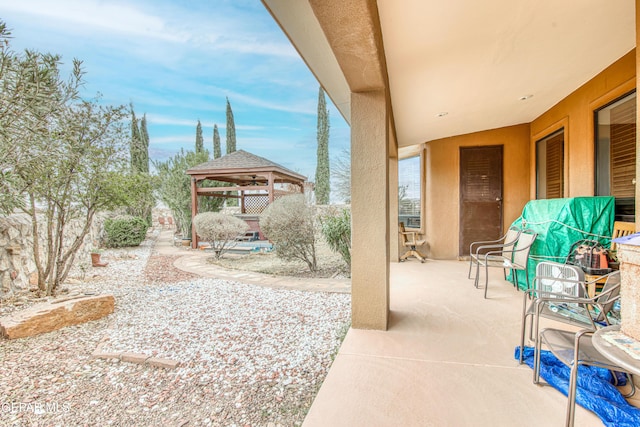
[
  {"x": 336, "y": 230},
  {"x": 219, "y": 230},
  {"x": 289, "y": 224},
  {"x": 125, "y": 230}
]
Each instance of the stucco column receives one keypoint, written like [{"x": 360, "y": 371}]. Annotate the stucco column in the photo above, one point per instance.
[
  {"x": 394, "y": 240},
  {"x": 370, "y": 211}
]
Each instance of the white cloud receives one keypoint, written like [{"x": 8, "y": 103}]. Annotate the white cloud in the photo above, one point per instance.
[
  {"x": 167, "y": 24},
  {"x": 112, "y": 17},
  {"x": 255, "y": 47},
  {"x": 305, "y": 107},
  {"x": 158, "y": 119},
  {"x": 172, "y": 139}
]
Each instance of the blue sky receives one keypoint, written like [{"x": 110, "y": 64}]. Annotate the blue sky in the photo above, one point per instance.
[{"x": 177, "y": 61}]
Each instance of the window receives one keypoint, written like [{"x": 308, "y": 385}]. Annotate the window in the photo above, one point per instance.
[
  {"x": 616, "y": 154},
  {"x": 409, "y": 192},
  {"x": 550, "y": 166}
]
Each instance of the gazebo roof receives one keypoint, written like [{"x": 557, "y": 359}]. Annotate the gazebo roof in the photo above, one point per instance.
[{"x": 242, "y": 165}]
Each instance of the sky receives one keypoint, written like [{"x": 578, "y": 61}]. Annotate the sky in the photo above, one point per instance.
[{"x": 178, "y": 61}]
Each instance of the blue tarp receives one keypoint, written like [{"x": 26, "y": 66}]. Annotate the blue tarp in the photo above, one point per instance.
[
  {"x": 562, "y": 222},
  {"x": 595, "y": 391}
]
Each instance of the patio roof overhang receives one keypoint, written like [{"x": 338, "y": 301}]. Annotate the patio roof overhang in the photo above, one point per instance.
[{"x": 453, "y": 68}]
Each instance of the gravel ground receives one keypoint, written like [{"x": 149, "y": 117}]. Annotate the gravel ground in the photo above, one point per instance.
[{"x": 249, "y": 356}]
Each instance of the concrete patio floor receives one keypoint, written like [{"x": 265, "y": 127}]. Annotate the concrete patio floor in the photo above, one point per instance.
[{"x": 446, "y": 360}]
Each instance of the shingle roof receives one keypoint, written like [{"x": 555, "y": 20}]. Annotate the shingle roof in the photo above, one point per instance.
[{"x": 241, "y": 160}]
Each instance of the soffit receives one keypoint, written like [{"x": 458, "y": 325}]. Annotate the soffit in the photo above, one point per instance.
[
  {"x": 475, "y": 60},
  {"x": 471, "y": 60}
]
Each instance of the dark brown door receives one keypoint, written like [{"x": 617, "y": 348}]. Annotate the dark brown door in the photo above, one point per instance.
[{"x": 480, "y": 195}]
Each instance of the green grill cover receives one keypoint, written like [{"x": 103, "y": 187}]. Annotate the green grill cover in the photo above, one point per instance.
[{"x": 561, "y": 222}]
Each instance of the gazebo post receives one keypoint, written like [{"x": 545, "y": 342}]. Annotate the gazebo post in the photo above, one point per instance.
[
  {"x": 242, "y": 207},
  {"x": 270, "y": 187},
  {"x": 194, "y": 212}
]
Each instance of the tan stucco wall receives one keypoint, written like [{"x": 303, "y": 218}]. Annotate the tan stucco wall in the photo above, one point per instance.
[
  {"x": 443, "y": 182},
  {"x": 370, "y": 210},
  {"x": 575, "y": 113}
]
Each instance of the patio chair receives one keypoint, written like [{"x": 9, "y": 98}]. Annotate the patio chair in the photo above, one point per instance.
[
  {"x": 574, "y": 349},
  {"x": 561, "y": 295},
  {"x": 621, "y": 229},
  {"x": 515, "y": 259},
  {"x": 409, "y": 240},
  {"x": 477, "y": 249}
]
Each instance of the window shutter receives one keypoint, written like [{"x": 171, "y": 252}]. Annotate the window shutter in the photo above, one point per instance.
[
  {"x": 555, "y": 163},
  {"x": 623, "y": 149}
]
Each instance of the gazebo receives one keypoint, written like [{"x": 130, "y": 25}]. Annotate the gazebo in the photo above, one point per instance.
[{"x": 252, "y": 179}]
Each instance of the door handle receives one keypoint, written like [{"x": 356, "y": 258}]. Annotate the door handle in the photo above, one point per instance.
[{"x": 498, "y": 199}]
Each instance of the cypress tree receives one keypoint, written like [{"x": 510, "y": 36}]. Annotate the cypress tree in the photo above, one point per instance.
[
  {"x": 231, "y": 130},
  {"x": 144, "y": 138},
  {"x": 135, "y": 146},
  {"x": 322, "y": 186},
  {"x": 199, "y": 139},
  {"x": 217, "y": 149},
  {"x": 139, "y": 149}
]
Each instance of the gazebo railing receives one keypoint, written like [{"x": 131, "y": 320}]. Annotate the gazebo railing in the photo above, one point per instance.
[{"x": 255, "y": 203}]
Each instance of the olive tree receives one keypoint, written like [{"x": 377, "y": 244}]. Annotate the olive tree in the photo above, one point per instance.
[
  {"x": 289, "y": 224},
  {"x": 61, "y": 158},
  {"x": 32, "y": 97},
  {"x": 219, "y": 230},
  {"x": 84, "y": 177}
]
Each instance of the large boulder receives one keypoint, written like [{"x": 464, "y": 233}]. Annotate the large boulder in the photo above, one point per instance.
[{"x": 56, "y": 314}]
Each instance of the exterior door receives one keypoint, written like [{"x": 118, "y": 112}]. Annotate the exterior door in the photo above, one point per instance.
[{"x": 480, "y": 195}]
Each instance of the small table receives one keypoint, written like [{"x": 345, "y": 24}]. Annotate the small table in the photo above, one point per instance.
[{"x": 614, "y": 353}]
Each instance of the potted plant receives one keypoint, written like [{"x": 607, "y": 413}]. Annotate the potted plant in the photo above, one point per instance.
[{"x": 95, "y": 258}]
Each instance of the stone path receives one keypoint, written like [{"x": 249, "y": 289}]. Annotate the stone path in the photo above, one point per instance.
[{"x": 195, "y": 261}]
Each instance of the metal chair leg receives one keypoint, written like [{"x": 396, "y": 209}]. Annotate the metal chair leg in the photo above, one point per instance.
[{"x": 486, "y": 279}]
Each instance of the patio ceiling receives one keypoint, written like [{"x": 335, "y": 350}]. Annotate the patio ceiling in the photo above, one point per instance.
[{"x": 462, "y": 66}]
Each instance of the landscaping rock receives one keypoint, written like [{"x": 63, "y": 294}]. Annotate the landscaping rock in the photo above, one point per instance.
[
  {"x": 49, "y": 316},
  {"x": 245, "y": 355}
]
